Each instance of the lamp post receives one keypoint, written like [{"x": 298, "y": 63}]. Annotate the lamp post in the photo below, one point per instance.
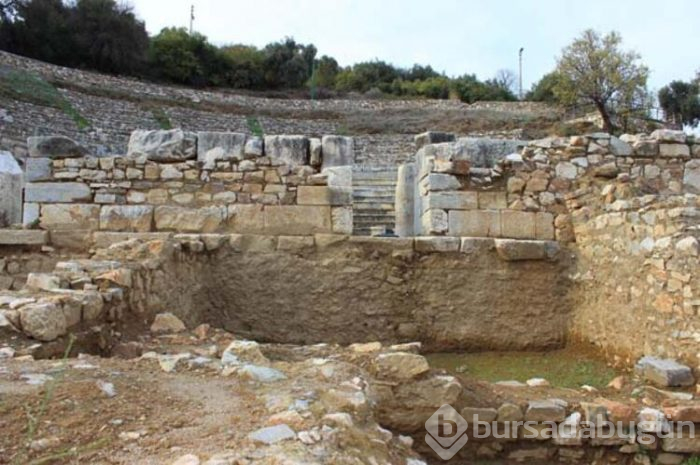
[{"x": 520, "y": 76}]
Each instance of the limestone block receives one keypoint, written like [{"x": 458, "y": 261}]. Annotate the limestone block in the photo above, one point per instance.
[
  {"x": 691, "y": 176},
  {"x": 493, "y": 200},
  {"x": 104, "y": 239},
  {"x": 338, "y": 151},
  {"x": 162, "y": 145},
  {"x": 43, "y": 321},
  {"x": 512, "y": 250},
  {"x": 674, "y": 150},
  {"x": 545, "y": 410},
  {"x": 439, "y": 182},
  {"x": 76, "y": 239},
  {"x": 566, "y": 170},
  {"x": 404, "y": 204},
  {"x": 323, "y": 195},
  {"x": 22, "y": 237},
  {"x": 517, "y": 224},
  {"x": 57, "y": 192},
  {"x": 342, "y": 220},
  {"x": 475, "y": 223},
  {"x": 129, "y": 218},
  {"x": 297, "y": 220},
  {"x": 544, "y": 226},
  {"x": 219, "y": 146},
  {"x": 42, "y": 282},
  {"x": 38, "y": 169},
  {"x": 483, "y": 152},
  {"x": 434, "y": 222},
  {"x": 253, "y": 243},
  {"x": 246, "y": 218},
  {"x": 254, "y": 147},
  {"x": 54, "y": 147},
  {"x": 476, "y": 245},
  {"x": 180, "y": 219},
  {"x": 620, "y": 148},
  {"x": 457, "y": 200},
  {"x": 432, "y": 137},
  {"x": 67, "y": 216},
  {"x": 665, "y": 373},
  {"x": 669, "y": 135},
  {"x": 339, "y": 176},
  {"x": 291, "y": 150},
  {"x": 11, "y": 182},
  {"x": 437, "y": 244},
  {"x": 315, "y": 152},
  {"x": 294, "y": 243},
  {"x": 400, "y": 365}
]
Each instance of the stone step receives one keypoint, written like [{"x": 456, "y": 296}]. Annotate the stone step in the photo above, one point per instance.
[
  {"x": 383, "y": 199},
  {"x": 359, "y": 206}
]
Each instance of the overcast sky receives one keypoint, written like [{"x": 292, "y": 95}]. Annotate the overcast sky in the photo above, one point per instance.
[{"x": 457, "y": 37}]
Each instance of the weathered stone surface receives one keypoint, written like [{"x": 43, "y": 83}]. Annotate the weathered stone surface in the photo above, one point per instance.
[
  {"x": 54, "y": 147},
  {"x": 517, "y": 224},
  {"x": 272, "y": 434},
  {"x": 688, "y": 246},
  {"x": 30, "y": 215},
  {"x": 475, "y": 223},
  {"x": 434, "y": 222},
  {"x": 566, "y": 170},
  {"x": 57, "y": 192},
  {"x": 342, "y": 220},
  {"x": 492, "y": 200},
  {"x": 323, "y": 195},
  {"x": 484, "y": 415},
  {"x": 459, "y": 200},
  {"x": 404, "y": 206},
  {"x": 42, "y": 282},
  {"x": 126, "y": 218},
  {"x": 517, "y": 250},
  {"x": 437, "y": 244},
  {"x": 219, "y": 146},
  {"x": 38, "y": 169},
  {"x": 432, "y": 137},
  {"x": 315, "y": 152},
  {"x": 681, "y": 443},
  {"x": 205, "y": 220},
  {"x": 292, "y": 150},
  {"x": 297, "y": 220},
  {"x": 545, "y": 410},
  {"x": 691, "y": 176},
  {"x": 246, "y": 219},
  {"x": 689, "y": 413},
  {"x": 674, "y": 150},
  {"x": 669, "y": 135},
  {"x": 401, "y": 365},
  {"x": 260, "y": 374},
  {"x": 43, "y": 321},
  {"x": 167, "y": 323},
  {"x": 161, "y": 145},
  {"x": 70, "y": 216},
  {"x": 338, "y": 151},
  {"x": 254, "y": 147},
  {"x": 439, "y": 182},
  {"x": 665, "y": 373},
  {"x": 484, "y": 152},
  {"x": 509, "y": 413},
  {"x": 243, "y": 352},
  {"x": 620, "y": 148},
  {"x": 22, "y": 237}
]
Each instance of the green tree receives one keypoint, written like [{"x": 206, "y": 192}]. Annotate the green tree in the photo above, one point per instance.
[
  {"x": 327, "y": 70},
  {"x": 543, "y": 90},
  {"x": 681, "y": 103},
  {"x": 246, "y": 66},
  {"x": 288, "y": 64},
  {"x": 594, "y": 70}
]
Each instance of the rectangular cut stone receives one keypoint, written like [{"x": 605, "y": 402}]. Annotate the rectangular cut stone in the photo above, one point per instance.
[
  {"x": 460, "y": 200},
  {"x": 57, "y": 192},
  {"x": 544, "y": 410},
  {"x": 674, "y": 150},
  {"x": 544, "y": 226},
  {"x": 434, "y": 222},
  {"x": 11, "y": 181},
  {"x": 517, "y": 224},
  {"x": 133, "y": 218},
  {"x": 204, "y": 220},
  {"x": 512, "y": 250},
  {"x": 30, "y": 214},
  {"x": 22, "y": 237},
  {"x": 292, "y": 150},
  {"x": 439, "y": 182},
  {"x": 322, "y": 195},
  {"x": 219, "y": 146},
  {"x": 342, "y": 218},
  {"x": 665, "y": 373},
  {"x": 246, "y": 219},
  {"x": 475, "y": 223},
  {"x": 69, "y": 216},
  {"x": 492, "y": 200},
  {"x": 437, "y": 244},
  {"x": 294, "y": 243},
  {"x": 104, "y": 239},
  {"x": 681, "y": 442},
  {"x": 295, "y": 220},
  {"x": 337, "y": 151},
  {"x": 38, "y": 169}
]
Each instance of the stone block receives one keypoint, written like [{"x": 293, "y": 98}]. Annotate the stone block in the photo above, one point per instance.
[
  {"x": 131, "y": 218},
  {"x": 294, "y": 243},
  {"x": 476, "y": 245},
  {"x": 339, "y": 176},
  {"x": 404, "y": 205},
  {"x": 23, "y": 237},
  {"x": 43, "y": 321},
  {"x": 437, "y": 244},
  {"x": 254, "y": 243},
  {"x": 104, "y": 239},
  {"x": 512, "y": 250},
  {"x": 342, "y": 219},
  {"x": 180, "y": 219},
  {"x": 75, "y": 239},
  {"x": 219, "y": 146},
  {"x": 246, "y": 218},
  {"x": 54, "y": 147},
  {"x": 517, "y": 224},
  {"x": 544, "y": 226},
  {"x": 691, "y": 176},
  {"x": 434, "y": 222},
  {"x": 674, "y": 150},
  {"x": 492, "y": 200},
  {"x": 475, "y": 223},
  {"x": 291, "y": 150},
  {"x": 57, "y": 192},
  {"x": 254, "y": 147},
  {"x": 338, "y": 151},
  {"x": 315, "y": 152},
  {"x": 11, "y": 183},
  {"x": 439, "y": 182},
  {"x": 665, "y": 372},
  {"x": 323, "y": 195},
  {"x": 38, "y": 169},
  {"x": 30, "y": 214},
  {"x": 162, "y": 145},
  {"x": 295, "y": 220},
  {"x": 620, "y": 148},
  {"x": 457, "y": 200},
  {"x": 69, "y": 216},
  {"x": 545, "y": 410},
  {"x": 669, "y": 135},
  {"x": 432, "y": 137}
]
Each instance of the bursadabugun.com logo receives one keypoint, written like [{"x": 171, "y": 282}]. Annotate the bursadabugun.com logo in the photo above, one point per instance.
[{"x": 449, "y": 432}]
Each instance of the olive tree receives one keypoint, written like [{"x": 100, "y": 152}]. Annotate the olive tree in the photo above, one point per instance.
[{"x": 595, "y": 70}]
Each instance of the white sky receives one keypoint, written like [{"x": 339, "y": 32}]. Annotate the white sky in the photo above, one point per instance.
[{"x": 472, "y": 36}]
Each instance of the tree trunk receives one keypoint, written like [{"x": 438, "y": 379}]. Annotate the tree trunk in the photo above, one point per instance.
[{"x": 605, "y": 114}]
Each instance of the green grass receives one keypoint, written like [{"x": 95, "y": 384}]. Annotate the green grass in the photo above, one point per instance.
[
  {"x": 28, "y": 87},
  {"x": 254, "y": 126},
  {"x": 695, "y": 460},
  {"x": 162, "y": 118},
  {"x": 562, "y": 368}
]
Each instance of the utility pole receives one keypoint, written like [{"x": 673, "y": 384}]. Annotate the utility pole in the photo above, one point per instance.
[
  {"x": 520, "y": 78},
  {"x": 192, "y": 20}
]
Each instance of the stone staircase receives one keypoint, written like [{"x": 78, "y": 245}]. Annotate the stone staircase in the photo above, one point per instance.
[{"x": 374, "y": 190}]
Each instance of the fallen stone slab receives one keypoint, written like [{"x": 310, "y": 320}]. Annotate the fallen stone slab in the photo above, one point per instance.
[
  {"x": 665, "y": 372},
  {"x": 23, "y": 237},
  {"x": 272, "y": 434},
  {"x": 54, "y": 147}
]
